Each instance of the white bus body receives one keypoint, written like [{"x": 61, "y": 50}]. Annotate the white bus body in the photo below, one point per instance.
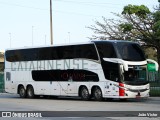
[{"x": 98, "y": 69}]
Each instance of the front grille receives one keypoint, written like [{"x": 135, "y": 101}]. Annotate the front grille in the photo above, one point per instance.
[{"x": 138, "y": 90}]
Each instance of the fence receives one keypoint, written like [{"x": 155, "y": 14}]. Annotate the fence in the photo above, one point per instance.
[
  {"x": 154, "y": 80},
  {"x": 1, "y": 82}
]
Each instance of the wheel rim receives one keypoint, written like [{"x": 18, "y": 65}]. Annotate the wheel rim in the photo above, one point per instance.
[
  {"x": 85, "y": 93},
  {"x": 98, "y": 94},
  {"x": 30, "y": 93},
  {"x": 22, "y": 91}
]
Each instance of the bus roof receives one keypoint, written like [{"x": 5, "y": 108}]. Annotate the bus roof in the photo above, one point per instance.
[
  {"x": 42, "y": 46},
  {"x": 89, "y": 42},
  {"x": 112, "y": 41}
]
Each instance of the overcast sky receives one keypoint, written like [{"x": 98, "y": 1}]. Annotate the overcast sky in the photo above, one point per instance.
[{"x": 22, "y": 21}]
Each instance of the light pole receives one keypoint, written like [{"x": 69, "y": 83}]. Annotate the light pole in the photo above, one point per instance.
[
  {"x": 45, "y": 37},
  {"x": 10, "y": 39},
  {"x": 51, "y": 30},
  {"x": 69, "y": 37},
  {"x": 32, "y": 34}
]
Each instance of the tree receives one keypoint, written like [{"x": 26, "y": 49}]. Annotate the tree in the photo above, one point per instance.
[
  {"x": 1, "y": 63},
  {"x": 150, "y": 52},
  {"x": 134, "y": 23}
]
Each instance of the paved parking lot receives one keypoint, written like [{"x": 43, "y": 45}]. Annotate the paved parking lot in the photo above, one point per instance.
[{"x": 12, "y": 102}]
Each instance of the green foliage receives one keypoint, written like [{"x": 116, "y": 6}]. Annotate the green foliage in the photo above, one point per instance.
[
  {"x": 140, "y": 11},
  {"x": 156, "y": 16},
  {"x": 1, "y": 67},
  {"x": 156, "y": 25},
  {"x": 1, "y": 82},
  {"x": 156, "y": 28},
  {"x": 126, "y": 27},
  {"x": 2, "y": 63}
]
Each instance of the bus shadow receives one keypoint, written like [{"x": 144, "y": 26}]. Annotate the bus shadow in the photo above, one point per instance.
[{"x": 66, "y": 98}]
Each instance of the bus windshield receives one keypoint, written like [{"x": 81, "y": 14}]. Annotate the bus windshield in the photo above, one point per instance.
[
  {"x": 130, "y": 51},
  {"x": 136, "y": 75}
]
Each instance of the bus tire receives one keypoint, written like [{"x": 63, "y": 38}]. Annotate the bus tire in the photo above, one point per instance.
[
  {"x": 30, "y": 92},
  {"x": 22, "y": 92},
  {"x": 97, "y": 94},
  {"x": 84, "y": 93}
]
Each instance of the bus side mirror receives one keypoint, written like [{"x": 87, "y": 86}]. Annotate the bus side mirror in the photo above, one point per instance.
[{"x": 152, "y": 65}]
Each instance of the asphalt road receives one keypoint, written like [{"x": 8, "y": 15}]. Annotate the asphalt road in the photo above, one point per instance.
[{"x": 11, "y": 102}]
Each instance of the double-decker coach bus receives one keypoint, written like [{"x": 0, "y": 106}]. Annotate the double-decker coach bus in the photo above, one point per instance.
[{"x": 96, "y": 69}]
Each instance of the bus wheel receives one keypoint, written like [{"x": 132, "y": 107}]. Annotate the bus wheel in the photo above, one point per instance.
[
  {"x": 97, "y": 94},
  {"x": 84, "y": 94},
  {"x": 22, "y": 92},
  {"x": 30, "y": 92}
]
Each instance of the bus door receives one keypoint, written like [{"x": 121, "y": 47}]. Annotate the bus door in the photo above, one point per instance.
[
  {"x": 67, "y": 88},
  {"x": 63, "y": 88},
  {"x": 8, "y": 82},
  {"x": 71, "y": 87}
]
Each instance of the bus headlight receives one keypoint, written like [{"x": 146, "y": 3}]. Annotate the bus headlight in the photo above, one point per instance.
[{"x": 148, "y": 86}]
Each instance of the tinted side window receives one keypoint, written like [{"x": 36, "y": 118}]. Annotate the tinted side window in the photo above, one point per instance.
[
  {"x": 111, "y": 70},
  {"x": 90, "y": 52},
  {"x": 21, "y": 55},
  {"x": 86, "y": 51},
  {"x": 28, "y": 55},
  {"x": 13, "y": 55},
  {"x": 65, "y": 75},
  {"x": 44, "y": 53},
  {"x": 53, "y": 53},
  {"x": 68, "y": 52},
  {"x": 106, "y": 50},
  {"x": 10, "y": 56}
]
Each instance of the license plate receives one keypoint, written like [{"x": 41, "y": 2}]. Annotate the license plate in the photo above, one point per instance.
[{"x": 138, "y": 96}]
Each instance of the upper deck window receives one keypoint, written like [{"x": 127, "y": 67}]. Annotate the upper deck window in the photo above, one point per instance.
[
  {"x": 106, "y": 50},
  {"x": 81, "y": 51},
  {"x": 130, "y": 51}
]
